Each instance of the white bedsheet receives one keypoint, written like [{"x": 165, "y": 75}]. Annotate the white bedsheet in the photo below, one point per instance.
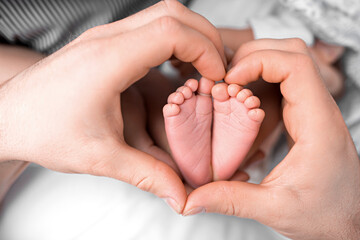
[{"x": 45, "y": 205}]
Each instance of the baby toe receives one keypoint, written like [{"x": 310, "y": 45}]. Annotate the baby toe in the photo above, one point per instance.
[
  {"x": 233, "y": 90},
  {"x": 219, "y": 92},
  {"x": 170, "y": 110},
  {"x": 192, "y": 84},
  {"x": 243, "y": 95},
  {"x": 256, "y": 114},
  {"x": 186, "y": 91},
  {"x": 176, "y": 98},
  {"x": 252, "y": 102}
]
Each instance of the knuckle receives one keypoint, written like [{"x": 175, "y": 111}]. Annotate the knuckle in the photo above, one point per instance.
[
  {"x": 90, "y": 33},
  {"x": 298, "y": 43},
  {"x": 229, "y": 208},
  {"x": 168, "y": 24},
  {"x": 144, "y": 183},
  {"x": 91, "y": 48},
  {"x": 147, "y": 182},
  {"x": 174, "y": 7}
]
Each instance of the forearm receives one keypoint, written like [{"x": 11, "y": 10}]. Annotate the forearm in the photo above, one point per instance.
[{"x": 12, "y": 61}]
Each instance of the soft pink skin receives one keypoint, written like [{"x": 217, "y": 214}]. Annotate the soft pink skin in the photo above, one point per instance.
[
  {"x": 237, "y": 119},
  {"x": 188, "y": 120},
  {"x": 195, "y": 145}
]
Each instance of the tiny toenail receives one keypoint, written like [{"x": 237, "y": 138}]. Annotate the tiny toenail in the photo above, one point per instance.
[{"x": 194, "y": 211}]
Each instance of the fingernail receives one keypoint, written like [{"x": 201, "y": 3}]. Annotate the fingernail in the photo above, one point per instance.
[
  {"x": 173, "y": 204},
  {"x": 195, "y": 211}
]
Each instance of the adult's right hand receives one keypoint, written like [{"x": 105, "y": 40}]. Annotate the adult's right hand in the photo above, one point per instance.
[
  {"x": 314, "y": 193},
  {"x": 64, "y": 112}
]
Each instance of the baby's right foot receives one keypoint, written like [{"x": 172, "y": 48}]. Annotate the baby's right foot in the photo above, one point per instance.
[
  {"x": 188, "y": 119},
  {"x": 237, "y": 119}
]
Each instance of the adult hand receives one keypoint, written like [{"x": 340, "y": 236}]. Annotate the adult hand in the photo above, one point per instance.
[
  {"x": 314, "y": 193},
  {"x": 64, "y": 113}
]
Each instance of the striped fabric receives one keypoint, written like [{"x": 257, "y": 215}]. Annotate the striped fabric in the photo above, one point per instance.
[{"x": 47, "y": 25}]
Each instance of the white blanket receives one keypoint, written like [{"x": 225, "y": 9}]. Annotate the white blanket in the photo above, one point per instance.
[{"x": 47, "y": 205}]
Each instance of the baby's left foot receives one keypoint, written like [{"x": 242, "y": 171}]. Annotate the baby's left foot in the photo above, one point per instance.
[{"x": 236, "y": 123}]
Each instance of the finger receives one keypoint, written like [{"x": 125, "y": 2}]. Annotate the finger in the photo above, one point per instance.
[
  {"x": 303, "y": 90},
  {"x": 145, "y": 172},
  {"x": 289, "y": 45},
  {"x": 240, "y": 199},
  {"x": 165, "y": 8},
  {"x": 169, "y": 37}
]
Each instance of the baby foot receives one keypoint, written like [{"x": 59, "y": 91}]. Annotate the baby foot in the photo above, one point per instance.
[
  {"x": 188, "y": 119},
  {"x": 237, "y": 119}
]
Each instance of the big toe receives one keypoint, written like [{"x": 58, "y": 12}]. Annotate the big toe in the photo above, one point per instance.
[{"x": 220, "y": 92}]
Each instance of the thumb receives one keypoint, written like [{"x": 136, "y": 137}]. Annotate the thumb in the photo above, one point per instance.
[
  {"x": 145, "y": 172},
  {"x": 240, "y": 199}
]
